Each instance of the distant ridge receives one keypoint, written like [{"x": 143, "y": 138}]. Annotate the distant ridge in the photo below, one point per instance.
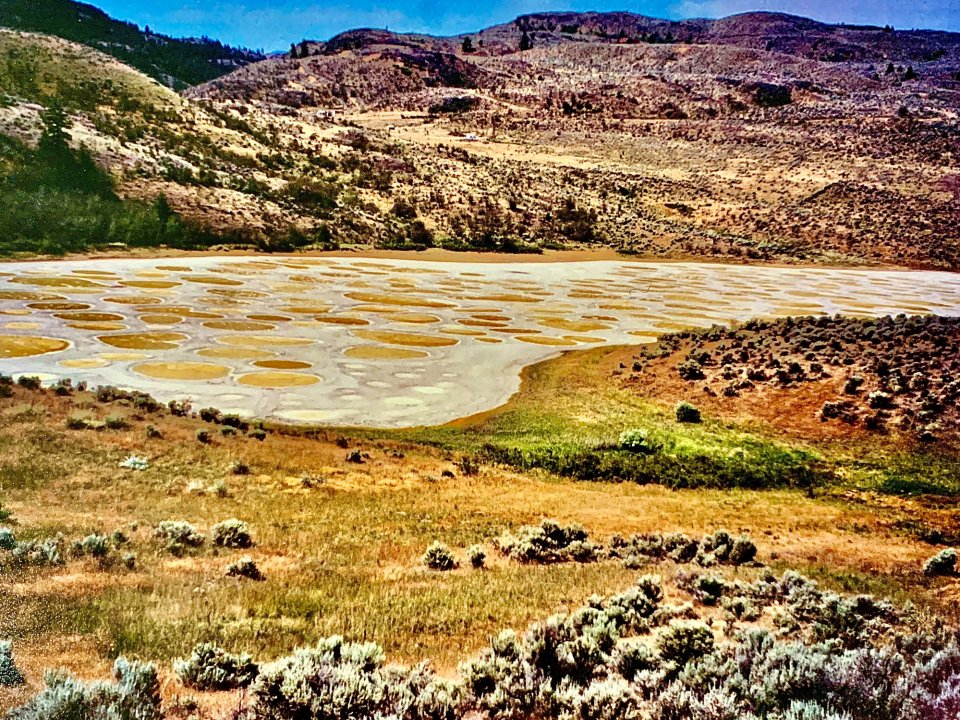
[{"x": 177, "y": 63}]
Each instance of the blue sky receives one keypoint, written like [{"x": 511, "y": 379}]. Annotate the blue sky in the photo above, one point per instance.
[{"x": 274, "y": 24}]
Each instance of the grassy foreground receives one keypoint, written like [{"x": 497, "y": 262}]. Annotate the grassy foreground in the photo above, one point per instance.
[{"x": 340, "y": 541}]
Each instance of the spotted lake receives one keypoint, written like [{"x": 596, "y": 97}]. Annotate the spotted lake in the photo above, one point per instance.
[{"x": 388, "y": 342}]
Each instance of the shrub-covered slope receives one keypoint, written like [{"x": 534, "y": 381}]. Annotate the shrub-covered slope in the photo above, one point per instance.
[
  {"x": 177, "y": 63},
  {"x": 893, "y": 373}
]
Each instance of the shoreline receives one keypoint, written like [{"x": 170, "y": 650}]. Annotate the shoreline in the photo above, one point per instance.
[{"x": 440, "y": 255}]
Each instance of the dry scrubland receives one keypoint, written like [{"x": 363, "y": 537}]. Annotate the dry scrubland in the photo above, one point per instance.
[
  {"x": 765, "y": 138},
  {"x": 340, "y": 521},
  {"x": 134, "y": 532}
]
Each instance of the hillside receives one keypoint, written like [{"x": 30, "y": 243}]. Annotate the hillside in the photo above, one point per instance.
[
  {"x": 693, "y": 139},
  {"x": 741, "y": 137},
  {"x": 836, "y": 377},
  {"x": 177, "y": 63}
]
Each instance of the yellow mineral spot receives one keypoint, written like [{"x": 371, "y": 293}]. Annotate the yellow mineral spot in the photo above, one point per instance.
[
  {"x": 403, "y": 338},
  {"x": 182, "y": 370},
  {"x": 397, "y": 299},
  {"x": 18, "y": 346},
  {"x": 145, "y": 340},
  {"x": 277, "y": 379},
  {"x": 584, "y": 339},
  {"x": 263, "y": 341},
  {"x": 239, "y": 325},
  {"x": 151, "y": 284},
  {"x": 161, "y": 319},
  {"x": 544, "y": 340},
  {"x": 412, "y": 318},
  {"x": 98, "y": 326},
  {"x": 89, "y": 316},
  {"x": 211, "y": 280},
  {"x": 574, "y": 325},
  {"x": 59, "y": 282},
  {"x": 378, "y": 352},
  {"x": 84, "y": 363},
  {"x": 134, "y": 300},
  {"x": 283, "y": 364},
  {"x": 232, "y": 293},
  {"x": 58, "y": 306},
  {"x": 269, "y": 318},
  {"x": 27, "y": 295},
  {"x": 342, "y": 320}
]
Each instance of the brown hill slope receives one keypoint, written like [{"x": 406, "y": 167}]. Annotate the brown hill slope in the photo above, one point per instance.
[
  {"x": 681, "y": 138},
  {"x": 654, "y": 148}
]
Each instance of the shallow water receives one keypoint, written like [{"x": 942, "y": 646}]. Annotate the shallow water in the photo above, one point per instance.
[{"x": 390, "y": 343}]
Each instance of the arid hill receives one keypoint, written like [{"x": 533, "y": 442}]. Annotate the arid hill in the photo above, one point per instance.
[{"x": 751, "y": 138}]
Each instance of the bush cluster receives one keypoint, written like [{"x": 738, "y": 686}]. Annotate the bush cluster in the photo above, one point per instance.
[
  {"x": 39, "y": 552},
  {"x": 9, "y": 672},
  {"x": 439, "y": 557},
  {"x": 335, "y": 679},
  {"x": 626, "y": 657},
  {"x": 135, "y": 696},
  {"x": 245, "y": 567},
  {"x": 210, "y": 667},
  {"x": 548, "y": 542},
  {"x": 105, "y": 549},
  {"x": 896, "y": 371},
  {"x": 231, "y": 533},
  {"x": 943, "y": 563},
  {"x": 179, "y": 536}
]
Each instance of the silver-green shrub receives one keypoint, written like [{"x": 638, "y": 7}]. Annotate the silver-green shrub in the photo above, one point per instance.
[
  {"x": 335, "y": 680},
  {"x": 439, "y": 557},
  {"x": 9, "y": 672},
  {"x": 548, "y": 542},
  {"x": 682, "y": 641},
  {"x": 231, "y": 533},
  {"x": 210, "y": 667},
  {"x": 245, "y": 567},
  {"x": 134, "y": 696},
  {"x": 477, "y": 556},
  {"x": 943, "y": 563},
  {"x": 44, "y": 552},
  {"x": 7, "y": 539},
  {"x": 178, "y": 535}
]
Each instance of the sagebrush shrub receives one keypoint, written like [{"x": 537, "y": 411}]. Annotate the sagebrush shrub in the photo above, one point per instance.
[
  {"x": 47, "y": 551},
  {"x": 231, "y": 533},
  {"x": 9, "y": 672},
  {"x": 743, "y": 551},
  {"x": 612, "y": 698},
  {"x": 179, "y": 536},
  {"x": 633, "y": 656},
  {"x": 7, "y": 539},
  {"x": 636, "y": 441},
  {"x": 548, "y": 542},
  {"x": 245, "y": 567},
  {"x": 943, "y": 563},
  {"x": 477, "y": 556},
  {"x": 95, "y": 546},
  {"x": 134, "y": 696},
  {"x": 682, "y": 641},
  {"x": 335, "y": 680},
  {"x": 687, "y": 413},
  {"x": 439, "y": 557},
  {"x": 210, "y": 667}
]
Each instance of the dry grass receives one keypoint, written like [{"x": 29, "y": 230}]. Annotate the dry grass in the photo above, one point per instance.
[{"x": 342, "y": 552}]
